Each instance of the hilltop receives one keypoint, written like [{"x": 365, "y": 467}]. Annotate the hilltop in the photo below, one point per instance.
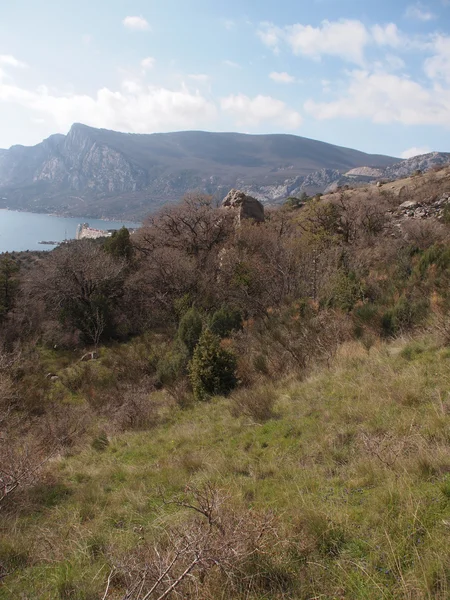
[{"x": 100, "y": 173}]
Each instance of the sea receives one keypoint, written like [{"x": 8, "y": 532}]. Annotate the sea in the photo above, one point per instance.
[{"x": 24, "y": 230}]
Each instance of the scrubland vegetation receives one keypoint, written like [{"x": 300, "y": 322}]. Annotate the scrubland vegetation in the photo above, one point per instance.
[{"x": 206, "y": 410}]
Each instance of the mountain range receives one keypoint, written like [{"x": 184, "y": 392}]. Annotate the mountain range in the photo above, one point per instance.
[{"x": 100, "y": 173}]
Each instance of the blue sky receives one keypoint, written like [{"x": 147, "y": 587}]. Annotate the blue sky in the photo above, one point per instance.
[{"x": 372, "y": 75}]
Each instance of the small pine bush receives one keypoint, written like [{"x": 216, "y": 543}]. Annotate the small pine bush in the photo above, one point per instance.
[
  {"x": 224, "y": 321},
  {"x": 101, "y": 442},
  {"x": 171, "y": 366},
  {"x": 190, "y": 329},
  {"x": 212, "y": 369},
  {"x": 404, "y": 315}
]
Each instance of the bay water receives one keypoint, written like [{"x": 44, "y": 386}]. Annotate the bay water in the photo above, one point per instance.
[{"x": 24, "y": 230}]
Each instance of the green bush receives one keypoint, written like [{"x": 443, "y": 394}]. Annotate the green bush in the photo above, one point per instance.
[
  {"x": 365, "y": 313},
  {"x": 403, "y": 316},
  {"x": 190, "y": 329},
  {"x": 101, "y": 442},
  {"x": 212, "y": 369},
  {"x": 295, "y": 202},
  {"x": 224, "y": 321},
  {"x": 344, "y": 291},
  {"x": 8, "y": 285},
  {"x": 172, "y": 365},
  {"x": 438, "y": 255},
  {"x": 119, "y": 244},
  {"x": 182, "y": 305}
]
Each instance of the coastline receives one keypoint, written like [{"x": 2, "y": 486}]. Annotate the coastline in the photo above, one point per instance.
[
  {"x": 24, "y": 230},
  {"x": 82, "y": 219}
]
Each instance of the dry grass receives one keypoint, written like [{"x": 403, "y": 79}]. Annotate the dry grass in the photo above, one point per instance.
[{"x": 355, "y": 467}]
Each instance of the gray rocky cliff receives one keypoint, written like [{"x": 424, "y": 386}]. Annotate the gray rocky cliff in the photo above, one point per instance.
[{"x": 99, "y": 173}]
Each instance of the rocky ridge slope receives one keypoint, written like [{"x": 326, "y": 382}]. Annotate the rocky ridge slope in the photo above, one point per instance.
[
  {"x": 398, "y": 170},
  {"x": 101, "y": 173}
]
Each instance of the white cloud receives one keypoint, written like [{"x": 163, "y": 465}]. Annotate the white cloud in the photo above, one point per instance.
[
  {"x": 232, "y": 64},
  {"x": 229, "y": 24},
  {"x": 419, "y": 12},
  {"x": 437, "y": 67},
  {"x": 386, "y": 98},
  {"x": 131, "y": 86},
  {"x": 140, "y": 108},
  {"x": 148, "y": 63},
  {"x": 136, "y": 23},
  {"x": 387, "y": 35},
  {"x": 135, "y": 108},
  {"x": 411, "y": 152},
  {"x": 253, "y": 111},
  {"x": 270, "y": 35},
  {"x": 282, "y": 77},
  {"x": 200, "y": 77},
  {"x": 345, "y": 39},
  {"x": 10, "y": 61},
  {"x": 393, "y": 62}
]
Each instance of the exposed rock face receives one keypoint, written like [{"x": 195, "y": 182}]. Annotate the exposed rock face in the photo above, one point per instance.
[
  {"x": 423, "y": 163},
  {"x": 366, "y": 175},
  {"x": 99, "y": 173},
  {"x": 245, "y": 206}
]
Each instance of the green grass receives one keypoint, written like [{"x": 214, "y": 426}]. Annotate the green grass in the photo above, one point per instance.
[{"x": 354, "y": 463}]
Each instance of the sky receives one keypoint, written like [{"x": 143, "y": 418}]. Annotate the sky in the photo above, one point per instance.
[{"x": 367, "y": 74}]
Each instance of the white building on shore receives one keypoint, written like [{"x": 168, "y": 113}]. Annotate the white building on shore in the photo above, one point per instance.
[{"x": 85, "y": 232}]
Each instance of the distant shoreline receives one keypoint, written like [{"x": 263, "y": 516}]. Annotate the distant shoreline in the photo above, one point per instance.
[
  {"x": 82, "y": 219},
  {"x": 24, "y": 230}
]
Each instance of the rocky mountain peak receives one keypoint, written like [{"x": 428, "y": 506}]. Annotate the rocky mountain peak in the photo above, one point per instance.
[{"x": 99, "y": 173}]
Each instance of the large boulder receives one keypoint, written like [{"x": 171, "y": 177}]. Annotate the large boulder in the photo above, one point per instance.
[{"x": 245, "y": 206}]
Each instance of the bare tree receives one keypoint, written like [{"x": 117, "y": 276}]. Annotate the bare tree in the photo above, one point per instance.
[
  {"x": 193, "y": 226},
  {"x": 80, "y": 284}
]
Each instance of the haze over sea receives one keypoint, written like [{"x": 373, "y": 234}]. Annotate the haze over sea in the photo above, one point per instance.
[{"x": 24, "y": 230}]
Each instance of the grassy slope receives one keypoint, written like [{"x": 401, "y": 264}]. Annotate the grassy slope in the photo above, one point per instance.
[{"x": 356, "y": 466}]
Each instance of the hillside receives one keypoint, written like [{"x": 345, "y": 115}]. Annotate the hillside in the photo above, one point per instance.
[
  {"x": 217, "y": 407},
  {"x": 361, "y": 176},
  {"x": 101, "y": 173},
  {"x": 346, "y": 483}
]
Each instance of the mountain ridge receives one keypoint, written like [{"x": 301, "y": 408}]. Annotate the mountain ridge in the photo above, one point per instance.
[{"x": 102, "y": 173}]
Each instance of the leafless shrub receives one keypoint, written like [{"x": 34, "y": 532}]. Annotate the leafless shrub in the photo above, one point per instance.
[
  {"x": 28, "y": 441},
  {"x": 441, "y": 326},
  {"x": 81, "y": 282},
  {"x": 258, "y": 403},
  {"x": 27, "y": 445},
  {"x": 293, "y": 342},
  {"x": 423, "y": 234},
  {"x": 181, "y": 392},
  {"x": 387, "y": 448},
  {"x": 20, "y": 464},
  {"x": 209, "y": 552},
  {"x": 133, "y": 408}
]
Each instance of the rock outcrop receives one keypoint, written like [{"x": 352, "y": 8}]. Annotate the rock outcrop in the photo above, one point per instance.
[
  {"x": 246, "y": 207},
  {"x": 412, "y": 209}
]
